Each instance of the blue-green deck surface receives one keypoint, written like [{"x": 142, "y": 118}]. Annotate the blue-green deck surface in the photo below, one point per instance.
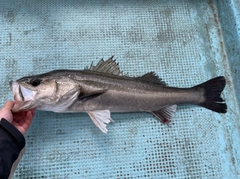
[{"x": 184, "y": 42}]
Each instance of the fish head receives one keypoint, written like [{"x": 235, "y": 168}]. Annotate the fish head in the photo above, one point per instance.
[{"x": 44, "y": 92}]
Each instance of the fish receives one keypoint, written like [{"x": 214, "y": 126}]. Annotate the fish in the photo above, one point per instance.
[{"x": 102, "y": 89}]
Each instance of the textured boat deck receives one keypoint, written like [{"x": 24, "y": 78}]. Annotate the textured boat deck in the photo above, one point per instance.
[{"x": 184, "y": 42}]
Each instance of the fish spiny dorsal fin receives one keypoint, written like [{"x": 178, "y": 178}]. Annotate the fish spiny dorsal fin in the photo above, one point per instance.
[
  {"x": 109, "y": 66},
  {"x": 152, "y": 77}
]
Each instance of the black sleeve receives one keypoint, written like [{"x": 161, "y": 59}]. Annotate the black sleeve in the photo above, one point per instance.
[{"x": 12, "y": 145}]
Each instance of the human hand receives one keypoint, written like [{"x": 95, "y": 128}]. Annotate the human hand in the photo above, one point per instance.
[{"x": 21, "y": 120}]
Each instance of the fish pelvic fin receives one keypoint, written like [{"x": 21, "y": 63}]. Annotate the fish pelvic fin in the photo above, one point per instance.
[
  {"x": 212, "y": 94},
  {"x": 101, "y": 118},
  {"x": 165, "y": 114}
]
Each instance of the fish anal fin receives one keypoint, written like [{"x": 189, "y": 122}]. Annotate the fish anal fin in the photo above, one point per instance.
[
  {"x": 152, "y": 77},
  {"x": 101, "y": 118},
  {"x": 165, "y": 114},
  {"x": 85, "y": 97},
  {"x": 109, "y": 66}
]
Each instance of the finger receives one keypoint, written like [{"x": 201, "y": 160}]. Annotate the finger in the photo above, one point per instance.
[
  {"x": 24, "y": 123},
  {"x": 33, "y": 111},
  {"x": 28, "y": 121},
  {"x": 18, "y": 116},
  {"x": 9, "y": 105},
  {"x": 29, "y": 118}
]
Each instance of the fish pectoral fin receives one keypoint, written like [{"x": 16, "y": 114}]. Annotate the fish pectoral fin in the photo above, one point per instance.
[
  {"x": 84, "y": 98},
  {"x": 101, "y": 119},
  {"x": 165, "y": 114}
]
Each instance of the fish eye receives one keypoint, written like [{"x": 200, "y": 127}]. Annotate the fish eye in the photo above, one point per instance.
[{"x": 35, "y": 82}]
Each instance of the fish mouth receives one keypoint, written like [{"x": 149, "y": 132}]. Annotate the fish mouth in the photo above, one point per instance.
[
  {"x": 20, "y": 92},
  {"x": 24, "y": 97},
  {"x": 16, "y": 90}
]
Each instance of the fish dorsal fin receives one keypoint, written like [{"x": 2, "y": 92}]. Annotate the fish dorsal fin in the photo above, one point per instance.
[
  {"x": 165, "y": 114},
  {"x": 101, "y": 118},
  {"x": 152, "y": 77},
  {"x": 109, "y": 66}
]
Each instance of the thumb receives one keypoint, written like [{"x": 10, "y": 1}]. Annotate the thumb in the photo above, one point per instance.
[{"x": 9, "y": 105}]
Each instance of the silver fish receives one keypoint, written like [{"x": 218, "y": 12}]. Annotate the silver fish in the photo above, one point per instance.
[{"x": 102, "y": 89}]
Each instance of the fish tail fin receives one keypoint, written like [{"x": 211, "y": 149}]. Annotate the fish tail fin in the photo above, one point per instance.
[{"x": 212, "y": 94}]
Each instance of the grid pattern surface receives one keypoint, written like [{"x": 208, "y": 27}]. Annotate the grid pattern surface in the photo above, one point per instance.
[{"x": 179, "y": 40}]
